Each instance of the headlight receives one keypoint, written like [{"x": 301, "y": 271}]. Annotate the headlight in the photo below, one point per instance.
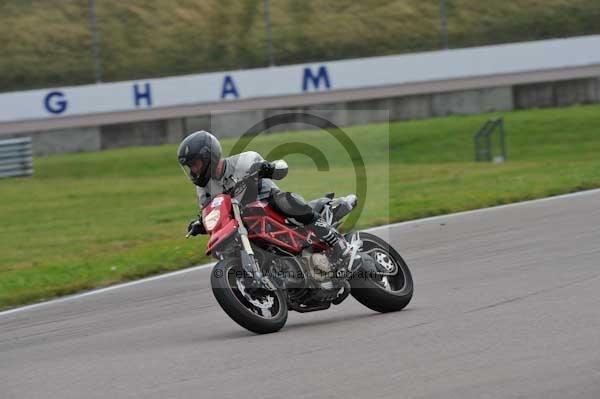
[{"x": 210, "y": 221}]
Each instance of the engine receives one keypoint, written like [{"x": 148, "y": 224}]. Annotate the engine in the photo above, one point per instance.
[
  {"x": 309, "y": 279},
  {"x": 320, "y": 269}
]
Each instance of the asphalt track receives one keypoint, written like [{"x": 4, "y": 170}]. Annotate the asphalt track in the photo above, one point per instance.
[{"x": 507, "y": 305}]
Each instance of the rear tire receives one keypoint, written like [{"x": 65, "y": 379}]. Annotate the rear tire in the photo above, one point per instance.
[
  {"x": 371, "y": 292},
  {"x": 226, "y": 289}
]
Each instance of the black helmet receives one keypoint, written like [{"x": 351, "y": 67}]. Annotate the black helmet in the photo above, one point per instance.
[{"x": 203, "y": 146}]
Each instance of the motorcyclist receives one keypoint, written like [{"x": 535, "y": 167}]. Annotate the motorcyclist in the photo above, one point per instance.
[{"x": 200, "y": 157}]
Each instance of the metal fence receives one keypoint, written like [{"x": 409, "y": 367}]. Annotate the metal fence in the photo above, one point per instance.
[
  {"x": 16, "y": 157},
  {"x": 484, "y": 149}
]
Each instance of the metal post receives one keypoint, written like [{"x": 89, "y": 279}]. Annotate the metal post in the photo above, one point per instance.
[
  {"x": 481, "y": 134},
  {"x": 490, "y": 152},
  {"x": 95, "y": 41},
  {"x": 267, "y": 17},
  {"x": 443, "y": 25},
  {"x": 503, "y": 141}
]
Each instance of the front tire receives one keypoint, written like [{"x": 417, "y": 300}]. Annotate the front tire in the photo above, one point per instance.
[
  {"x": 259, "y": 311},
  {"x": 383, "y": 293}
]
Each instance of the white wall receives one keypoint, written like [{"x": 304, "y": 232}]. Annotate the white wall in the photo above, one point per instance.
[{"x": 298, "y": 79}]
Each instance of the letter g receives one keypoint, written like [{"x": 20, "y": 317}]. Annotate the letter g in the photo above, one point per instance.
[{"x": 55, "y": 102}]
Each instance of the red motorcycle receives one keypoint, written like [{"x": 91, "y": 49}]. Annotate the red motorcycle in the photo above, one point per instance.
[{"x": 267, "y": 265}]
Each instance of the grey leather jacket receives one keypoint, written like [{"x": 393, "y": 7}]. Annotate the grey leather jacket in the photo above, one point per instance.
[{"x": 235, "y": 166}]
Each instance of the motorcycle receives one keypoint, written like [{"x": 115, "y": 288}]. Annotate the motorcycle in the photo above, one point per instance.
[{"x": 267, "y": 265}]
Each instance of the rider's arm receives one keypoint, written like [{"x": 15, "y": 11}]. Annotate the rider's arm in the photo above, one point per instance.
[
  {"x": 275, "y": 170},
  {"x": 196, "y": 227}
]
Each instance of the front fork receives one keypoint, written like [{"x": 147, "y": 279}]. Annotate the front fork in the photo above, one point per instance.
[{"x": 249, "y": 263}]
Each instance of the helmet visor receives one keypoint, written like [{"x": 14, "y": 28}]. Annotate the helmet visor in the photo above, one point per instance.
[
  {"x": 186, "y": 171},
  {"x": 196, "y": 170}
]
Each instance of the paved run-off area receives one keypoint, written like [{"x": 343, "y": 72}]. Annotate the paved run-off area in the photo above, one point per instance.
[{"x": 507, "y": 304}]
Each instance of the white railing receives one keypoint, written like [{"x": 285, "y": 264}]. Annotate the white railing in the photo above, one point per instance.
[{"x": 16, "y": 157}]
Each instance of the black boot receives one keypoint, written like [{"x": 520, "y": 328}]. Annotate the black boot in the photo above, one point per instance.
[{"x": 340, "y": 250}]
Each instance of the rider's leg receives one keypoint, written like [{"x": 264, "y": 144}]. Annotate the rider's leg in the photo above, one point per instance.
[
  {"x": 297, "y": 211},
  {"x": 331, "y": 236}
]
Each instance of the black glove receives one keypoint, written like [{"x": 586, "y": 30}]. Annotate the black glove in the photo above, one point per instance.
[
  {"x": 196, "y": 227},
  {"x": 265, "y": 169}
]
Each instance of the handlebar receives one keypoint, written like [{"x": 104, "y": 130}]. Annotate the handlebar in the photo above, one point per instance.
[{"x": 232, "y": 183}]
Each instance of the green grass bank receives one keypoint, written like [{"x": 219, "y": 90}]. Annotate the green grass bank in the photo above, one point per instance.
[{"x": 48, "y": 43}]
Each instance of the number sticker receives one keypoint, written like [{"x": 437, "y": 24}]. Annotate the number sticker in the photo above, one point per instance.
[{"x": 217, "y": 202}]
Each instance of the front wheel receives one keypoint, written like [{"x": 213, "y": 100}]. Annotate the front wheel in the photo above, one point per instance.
[
  {"x": 258, "y": 310},
  {"x": 386, "y": 292}
]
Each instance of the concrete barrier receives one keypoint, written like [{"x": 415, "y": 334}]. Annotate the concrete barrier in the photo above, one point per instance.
[
  {"x": 571, "y": 92},
  {"x": 411, "y": 107},
  {"x": 133, "y": 134},
  {"x": 373, "y": 111},
  {"x": 195, "y": 123},
  {"x": 233, "y": 124},
  {"x": 343, "y": 113},
  {"x": 59, "y": 141},
  {"x": 557, "y": 94},
  {"x": 472, "y": 101}
]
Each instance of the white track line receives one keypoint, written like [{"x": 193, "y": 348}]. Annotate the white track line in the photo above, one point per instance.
[
  {"x": 201, "y": 267},
  {"x": 492, "y": 208},
  {"x": 103, "y": 290}
]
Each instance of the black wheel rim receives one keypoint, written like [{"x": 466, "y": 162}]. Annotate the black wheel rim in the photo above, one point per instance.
[
  {"x": 259, "y": 302},
  {"x": 395, "y": 282}
]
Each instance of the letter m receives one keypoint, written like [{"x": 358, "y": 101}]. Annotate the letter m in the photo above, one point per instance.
[{"x": 321, "y": 75}]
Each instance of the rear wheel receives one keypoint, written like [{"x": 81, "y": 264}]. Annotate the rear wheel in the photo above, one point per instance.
[
  {"x": 258, "y": 310},
  {"x": 388, "y": 291}
]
